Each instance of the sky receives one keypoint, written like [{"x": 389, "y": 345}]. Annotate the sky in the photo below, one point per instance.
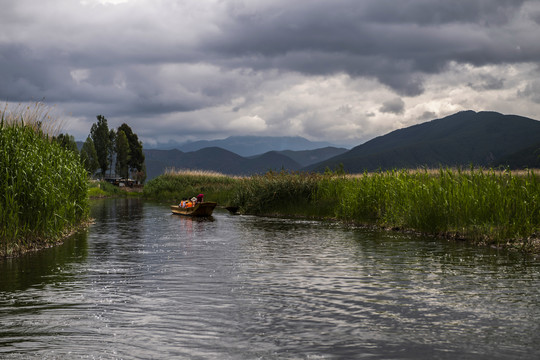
[{"x": 341, "y": 71}]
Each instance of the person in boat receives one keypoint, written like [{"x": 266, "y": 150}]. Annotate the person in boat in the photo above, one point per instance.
[
  {"x": 183, "y": 203},
  {"x": 200, "y": 198}
]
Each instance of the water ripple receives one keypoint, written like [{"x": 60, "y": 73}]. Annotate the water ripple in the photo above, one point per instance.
[{"x": 144, "y": 284}]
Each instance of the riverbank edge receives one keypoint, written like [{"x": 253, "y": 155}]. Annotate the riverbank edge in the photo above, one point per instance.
[
  {"x": 445, "y": 203},
  {"x": 528, "y": 246},
  {"x": 98, "y": 189},
  {"x": 36, "y": 245}
]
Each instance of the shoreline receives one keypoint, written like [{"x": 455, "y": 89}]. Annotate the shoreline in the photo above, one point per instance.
[
  {"x": 41, "y": 244},
  {"x": 529, "y": 246}
]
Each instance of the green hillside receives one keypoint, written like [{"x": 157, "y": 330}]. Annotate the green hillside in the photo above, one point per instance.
[
  {"x": 468, "y": 137},
  {"x": 526, "y": 158}
]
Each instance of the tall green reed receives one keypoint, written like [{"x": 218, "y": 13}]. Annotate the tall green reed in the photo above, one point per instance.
[
  {"x": 277, "y": 192},
  {"x": 484, "y": 205},
  {"x": 479, "y": 204},
  {"x": 175, "y": 185},
  {"x": 43, "y": 186}
]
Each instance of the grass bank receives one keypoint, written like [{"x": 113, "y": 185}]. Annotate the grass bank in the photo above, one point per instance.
[
  {"x": 43, "y": 186},
  {"x": 103, "y": 189},
  {"x": 176, "y": 185},
  {"x": 484, "y": 206}
]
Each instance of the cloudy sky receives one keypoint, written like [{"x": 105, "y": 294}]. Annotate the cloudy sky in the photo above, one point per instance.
[{"x": 342, "y": 71}]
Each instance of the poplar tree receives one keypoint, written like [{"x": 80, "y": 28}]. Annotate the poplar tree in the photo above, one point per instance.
[
  {"x": 67, "y": 142},
  {"x": 102, "y": 143},
  {"x": 89, "y": 157},
  {"x": 136, "y": 160},
  {"x": 112, "y": 149},
  {"x": 122, "y": 154}
]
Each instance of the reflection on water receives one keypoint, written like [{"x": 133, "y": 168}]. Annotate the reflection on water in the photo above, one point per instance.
[{"x": 142, "y": 283}]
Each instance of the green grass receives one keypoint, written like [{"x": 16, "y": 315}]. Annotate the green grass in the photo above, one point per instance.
[
  {"x": 173, "y": 186},
  {"x": 277, "y": 193},
  {"x": 101, "y": 189},
  {"x": 485, "y": 206},
  {"x": 43, "y": 187}
]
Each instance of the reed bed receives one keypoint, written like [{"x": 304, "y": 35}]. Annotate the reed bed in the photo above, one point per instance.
[
  {"x": 43, "y": 186},
  {"x": 479, "y": 204},
  {"x": 486, "y": 206},
  {"x": 175, "y": 185},
  {"x": 278, "y": 193},
  {"x": 38, "y": 117}
]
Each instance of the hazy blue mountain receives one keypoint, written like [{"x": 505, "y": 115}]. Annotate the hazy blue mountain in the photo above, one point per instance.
[
  {"x": 249, "y": 145},
  {"x": 468, "y": 137},
  {"x": 215, "y": 159},
  {"x": 308, "y": 157}
]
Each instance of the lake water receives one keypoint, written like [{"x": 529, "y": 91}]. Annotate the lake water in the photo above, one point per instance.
[{"x": 144, "y": 284}]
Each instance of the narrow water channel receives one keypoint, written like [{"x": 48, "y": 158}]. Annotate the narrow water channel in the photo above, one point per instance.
[{"x": 144, "y": 284}]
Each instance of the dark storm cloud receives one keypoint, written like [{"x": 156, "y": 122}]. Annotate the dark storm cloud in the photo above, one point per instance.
[
  {"x": 532, "y": 91},
  {"x": 393, "y": 41},
  {"x": 437, "y": 12},
  {"x": 488, "y": 82},
  {"x": 209, "y": 62},
  {"x": 394, "y": 106}
]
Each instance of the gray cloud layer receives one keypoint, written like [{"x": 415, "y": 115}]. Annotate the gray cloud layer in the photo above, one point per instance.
[{"x": 269, "y": 67}]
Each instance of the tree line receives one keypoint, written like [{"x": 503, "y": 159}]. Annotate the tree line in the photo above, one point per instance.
[{"x": 106, "y": 147}]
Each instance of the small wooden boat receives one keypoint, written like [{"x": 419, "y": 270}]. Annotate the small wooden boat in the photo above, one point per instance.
[{"x": 200, "y": 209}]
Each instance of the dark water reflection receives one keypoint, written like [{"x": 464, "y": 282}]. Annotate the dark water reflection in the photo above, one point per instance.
[{"x": 143, "y": 284}]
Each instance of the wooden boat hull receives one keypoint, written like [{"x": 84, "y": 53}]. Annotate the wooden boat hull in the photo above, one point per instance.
[{"x": 202, "y": 209}]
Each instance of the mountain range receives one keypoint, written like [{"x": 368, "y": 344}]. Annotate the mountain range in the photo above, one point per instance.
[
  {"x": 230, "y": 163},
  {"x": 468, "y": 137},
  {"x": 487, "y": 139},
  {"x": 247, "y": 145}
]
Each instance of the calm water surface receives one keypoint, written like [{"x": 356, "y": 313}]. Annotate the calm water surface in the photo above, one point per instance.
[{"x": 144, "y": 284}]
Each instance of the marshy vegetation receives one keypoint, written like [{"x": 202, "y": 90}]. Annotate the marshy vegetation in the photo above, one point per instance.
[
  {"x": 487, "y": 206},
  {"x": 43, "y": 185},
  {"x": 174, "y": 185},
  {"x": 101, "y": 189}
]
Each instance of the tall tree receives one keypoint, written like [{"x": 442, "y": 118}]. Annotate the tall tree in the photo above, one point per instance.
[
  {"x": 102, "y": 143},
  {"x": 122, "y": 154},
  {"x": 136, "y": 161},
  {"x": 67, "y": 142},
  {"x": 89, "y": 156},
  {"x": 112, "y": 149},
  {"x": 140, "y": 176}
]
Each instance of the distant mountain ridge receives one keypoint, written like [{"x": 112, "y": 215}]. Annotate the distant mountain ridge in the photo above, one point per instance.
[
  {"x": 214, "y": 159},
  {"x": 249, "y": 145},
  {"x": 480, "y": 138},
  {"x": 227, "y": 162}
]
